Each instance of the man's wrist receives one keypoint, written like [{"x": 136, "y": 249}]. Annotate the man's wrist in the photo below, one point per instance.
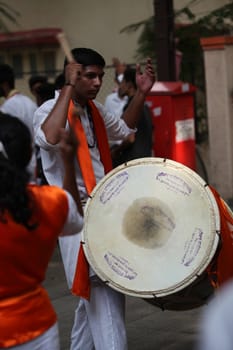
[
  {"x": 140, "y": 95},
  {"x": 68, "y": 83}
]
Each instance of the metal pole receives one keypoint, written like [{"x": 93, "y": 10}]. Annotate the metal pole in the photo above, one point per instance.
[{"x": 165, "y": 44}]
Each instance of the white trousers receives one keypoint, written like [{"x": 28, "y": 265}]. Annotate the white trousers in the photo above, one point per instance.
[
  {"x": 47, "y": 341},
  {"x": 100, "y": 323}
]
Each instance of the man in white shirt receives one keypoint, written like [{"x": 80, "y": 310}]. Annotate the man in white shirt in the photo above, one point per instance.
[
  {"x": 99, "y": 323},
  {"x": 115, "y": 102},
  {"x": 17, "y": 104}
]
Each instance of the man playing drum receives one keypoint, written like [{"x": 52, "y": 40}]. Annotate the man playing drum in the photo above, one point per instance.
[{"x": 99, "y": 317}]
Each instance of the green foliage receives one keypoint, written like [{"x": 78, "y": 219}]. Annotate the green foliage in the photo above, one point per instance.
[
  {"x": 7, "y": 14},
  {"x": 188, "y": 34},
  {"x": 218, "y": 22},
  {"x": 188, "y": 31},
  {"x": 144, "y": 50}
]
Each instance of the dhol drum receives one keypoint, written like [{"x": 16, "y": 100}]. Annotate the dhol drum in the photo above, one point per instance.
[{"x": 151, "y": 230}]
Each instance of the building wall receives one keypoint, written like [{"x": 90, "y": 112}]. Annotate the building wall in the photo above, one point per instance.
[
  {"x": 89, "y": 23},
  {"x": 97, "y": 23},
  {"x": 93, "y": 23},
  {"x": 218, "y": 54}
]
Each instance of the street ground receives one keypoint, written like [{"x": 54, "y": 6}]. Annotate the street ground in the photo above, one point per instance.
[{"x": 148, "y": 327}]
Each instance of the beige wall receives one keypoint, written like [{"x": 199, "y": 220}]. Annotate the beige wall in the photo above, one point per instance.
[
  {"x": 96, "y": 23},
  {"x": 90, "y": 23},
  {"x": 219, "y": 86}
]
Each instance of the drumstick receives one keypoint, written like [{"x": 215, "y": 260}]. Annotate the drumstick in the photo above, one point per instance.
[{"x": 61, "y": 37}]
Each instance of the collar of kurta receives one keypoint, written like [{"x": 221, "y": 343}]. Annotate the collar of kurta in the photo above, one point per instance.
[
  {"x": 12, "y": 93},
  {"x": 81, "y": 283}
]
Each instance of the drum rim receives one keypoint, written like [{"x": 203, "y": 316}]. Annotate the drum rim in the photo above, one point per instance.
[{"x": 198, "y": 271}]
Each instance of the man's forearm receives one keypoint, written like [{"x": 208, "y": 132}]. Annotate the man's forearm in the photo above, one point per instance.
[
  {"x": 70, "y": 185},
  {"x": 144, "y": 83},
  {"x": 134, "y": 110},
  {"x": 58, "y": 116}
]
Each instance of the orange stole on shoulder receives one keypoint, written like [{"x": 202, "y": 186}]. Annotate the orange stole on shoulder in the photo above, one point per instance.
[{"x": 81, "y": 283}]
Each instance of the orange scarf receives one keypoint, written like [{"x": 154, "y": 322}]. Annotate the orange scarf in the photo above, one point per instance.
[
  {"x": 81, "y": 283},
  {"x": 224, "y": 259}
]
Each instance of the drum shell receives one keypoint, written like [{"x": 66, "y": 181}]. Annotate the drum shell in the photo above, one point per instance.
[
  {"x": 195, "y": 288},
  {"x": 195, "y": 295},
  {"x": 198, "y": 293}
]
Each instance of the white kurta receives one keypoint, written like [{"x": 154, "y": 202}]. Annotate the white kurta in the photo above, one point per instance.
[
  {"x": 99, "y": 324},
  {"x": 53, "y": 167},
  {"x": 114, "y": 104},
  {"x": 22, "y": 107}
]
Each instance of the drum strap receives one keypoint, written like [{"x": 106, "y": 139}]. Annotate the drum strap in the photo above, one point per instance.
[
  {"x": 81, "y": 283},
  {"x": 224, "y": 263}
]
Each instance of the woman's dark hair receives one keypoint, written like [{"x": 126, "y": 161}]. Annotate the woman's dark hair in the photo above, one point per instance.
[
  {"x": 87, "y": 57},
  {"x": 14, "y": 195}
]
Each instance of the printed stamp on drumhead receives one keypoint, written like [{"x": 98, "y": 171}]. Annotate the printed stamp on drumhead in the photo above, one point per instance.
[
  {"x": 114, "y": 187},
  {"x": 174, "y": 183},
  {"x": 120, "y": 266},
  {"x": 192, "y": 247}
]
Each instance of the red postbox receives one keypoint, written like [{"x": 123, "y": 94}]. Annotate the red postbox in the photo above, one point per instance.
[{"x": 172, "y": 107}]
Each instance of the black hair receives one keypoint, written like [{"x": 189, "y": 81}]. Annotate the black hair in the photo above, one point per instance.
[
  {"x": 87, "y": 57},
  {"x": 45, "y": 91},
  {"x": 59, "y": 81},
  {"x": 34, "y": 79},
  {"x": 130, "y": 76},
  {"x": 7, "y": 75},
  {"x": 14, "y": 195}
]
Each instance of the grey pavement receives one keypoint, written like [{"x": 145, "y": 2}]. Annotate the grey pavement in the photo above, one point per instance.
[{"x": 148, "y": 327}]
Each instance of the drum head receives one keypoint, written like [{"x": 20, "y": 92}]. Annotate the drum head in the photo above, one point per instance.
[{"x": 151, "y": 227}]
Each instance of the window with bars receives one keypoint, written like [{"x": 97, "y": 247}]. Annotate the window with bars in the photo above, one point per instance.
[
  {"x": 17, "y": 64},
  {"x": 33, "y": 68},
  {"x": 49, "y": 63}
]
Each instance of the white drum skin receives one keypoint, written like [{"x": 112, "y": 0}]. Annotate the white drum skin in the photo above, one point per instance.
[{"x": 151, "y": 228}]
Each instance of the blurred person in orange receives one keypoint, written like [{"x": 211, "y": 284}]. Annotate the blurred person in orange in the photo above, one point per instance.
[{"x": 31, "y": 219}]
